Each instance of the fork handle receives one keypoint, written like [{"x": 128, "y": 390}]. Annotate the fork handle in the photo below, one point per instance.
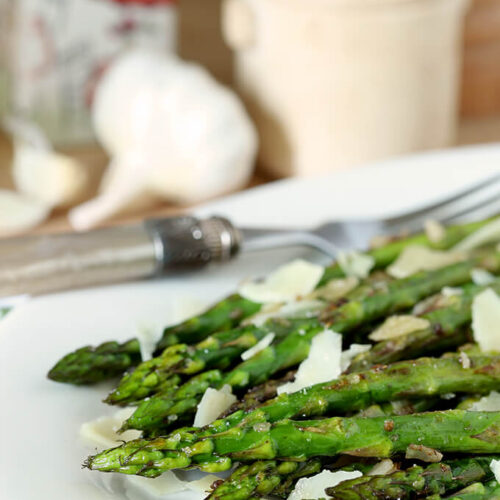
[{"x": 41, "y": 264}]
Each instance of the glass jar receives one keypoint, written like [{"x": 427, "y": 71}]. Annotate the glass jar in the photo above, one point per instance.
[{"x": 58, "y": 49}]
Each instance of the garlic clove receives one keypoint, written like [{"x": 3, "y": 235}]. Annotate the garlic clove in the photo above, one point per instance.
[
  {"x": 19, "y": 212},
  {"x": 56, "y": 180}
]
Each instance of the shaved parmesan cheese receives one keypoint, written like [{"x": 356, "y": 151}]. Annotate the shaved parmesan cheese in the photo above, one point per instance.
[
  {"x": 486, "y": 320},
  {"x": 259, "y": 346},
  {"x": 336, "y": 289},
  {"x": 449, "y": 291},
  {"x": 423, "y": 453},
  {"x": 416, "y": 258},
  {"x": 383, "y": 468},
  {"x": 464, "y": 360},
  {"x": 487, "y": 403},
  {"x": 322, "y": 364},
  {"x": 396, "y": 326},
  {"x": 148, "y": 338},
  {"x": 482, "y": 277},
  {"x": 287, "y": 283},
  {"x": 314, "y": 487},
  {"x": 434, "y": 230},
  {"x": 495, "y": 468},
  {"x": 355, "y": 264},
  {"x": 486, "y": 234},
  {"x": 102, "y": 432},
  {"x": 347, "y": 356},
  {"x": 159, "y": 487},
  {"x": 212, "y": 404},
  {"x": 296, "y": 309},
  {"x": 203, "y": 485}
]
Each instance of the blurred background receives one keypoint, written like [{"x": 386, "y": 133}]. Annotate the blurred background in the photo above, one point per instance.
[{"x": 113, "y": 110}]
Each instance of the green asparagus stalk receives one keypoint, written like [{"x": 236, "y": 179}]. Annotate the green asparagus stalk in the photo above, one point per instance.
[
  {"x": 453, "y": 431},
  {"x": 417, "y": 481},
  {"x": 447, "y": 330},
  {"x": 89, "y": 364},
  {"x": 407, "y": 379}
]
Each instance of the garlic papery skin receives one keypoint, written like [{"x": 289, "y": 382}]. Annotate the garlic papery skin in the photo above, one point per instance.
[{"x": 172, "y": 131}]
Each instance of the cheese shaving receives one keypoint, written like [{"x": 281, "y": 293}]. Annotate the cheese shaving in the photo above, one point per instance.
[
  {"x": 296, "y": 309},
  {"x": 148, "y": 338},
  {"x": 495, "y": 468},
  {"x": 482, "y": 277},
  {"x": 490, "y": 233},
  {"x": 212, "y": 404},
  {"x": 336, "y": 289},
  {"x": 289, "y": 282},
  {"x": 491, "y": 402},
  {"x": 260, "y": 346},
  {"x": 434, "y": 230},
  {"x": 383, "y": 468},
  {"x": 449, "y": 291},
  {"x": 102, "y": 432},
  {"x": 322, "y": 364},
  {"x": 347, "y": 356},
  {"x": 314, "y": 487},
  {"x": 486, "y": 320},
  {"x": 355, "y": 264},
  {"x": 397, "y": 326},
  {"x": 416, "y": 258}
]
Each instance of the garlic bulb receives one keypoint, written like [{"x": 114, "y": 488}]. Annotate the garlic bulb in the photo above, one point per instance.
[{"x": 172, "y": 131}]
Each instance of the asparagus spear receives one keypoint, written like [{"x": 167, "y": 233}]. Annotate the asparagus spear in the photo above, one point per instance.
[
  {"x": 89, "y": 364},
  {"x": 446, "y": 331},
  {"x": 407, "y": 379},
  {"x": 417, "y": 481},
  {"x": 92, "y": 364},
  {"x": 453, "y": 431}
]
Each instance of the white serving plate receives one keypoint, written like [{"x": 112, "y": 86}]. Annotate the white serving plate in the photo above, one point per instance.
[{"x": 40, "y": 452}]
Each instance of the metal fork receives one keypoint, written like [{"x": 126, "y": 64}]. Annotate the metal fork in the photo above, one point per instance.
[
  {"x": 40, "y": 264},
  {"x": 479, "y": 201}
]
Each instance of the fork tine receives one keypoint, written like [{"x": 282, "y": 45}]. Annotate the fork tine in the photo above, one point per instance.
[
  {"x": 478, "y": 196},
  {"x": 488, "y": 208}
]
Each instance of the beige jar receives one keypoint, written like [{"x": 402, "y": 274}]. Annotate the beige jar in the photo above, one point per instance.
[{"x": 335, "y": 83}]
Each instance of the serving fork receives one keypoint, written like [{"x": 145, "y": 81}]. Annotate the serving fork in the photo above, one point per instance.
[{"x": 40, "y": 264}]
